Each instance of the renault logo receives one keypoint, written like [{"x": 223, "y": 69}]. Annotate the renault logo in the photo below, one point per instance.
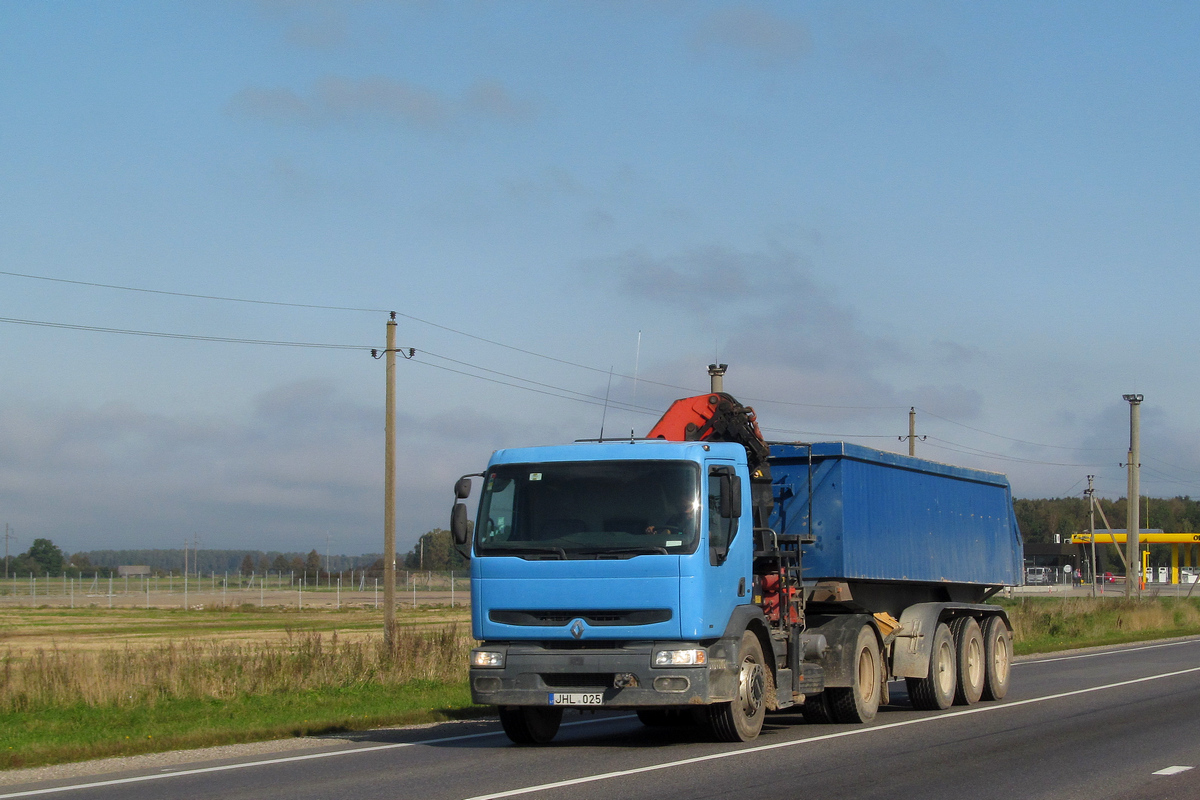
[{"x": 577, "y": 628}]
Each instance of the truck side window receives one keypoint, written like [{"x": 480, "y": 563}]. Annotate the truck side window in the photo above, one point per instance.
[
  {"x": 721, "y": 530},
  {"x": 498, "y": 515}
]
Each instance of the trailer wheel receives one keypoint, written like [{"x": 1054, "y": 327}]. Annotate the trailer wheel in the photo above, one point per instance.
[
  {"x": 936, "y": 690},
  {"x": 530, "y": 724},
  {"x": 860, "y": 702},
  {"x": 742, "y": 719},
  {"x": 968, "y": 650},
  {"x": 997, "y": 658}
]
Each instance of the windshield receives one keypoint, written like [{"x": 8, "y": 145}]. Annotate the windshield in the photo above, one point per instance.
[{"x": 589, "y": 509}]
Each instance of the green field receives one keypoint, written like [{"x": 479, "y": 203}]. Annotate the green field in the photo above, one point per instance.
[{"x": 85, "y": 683}]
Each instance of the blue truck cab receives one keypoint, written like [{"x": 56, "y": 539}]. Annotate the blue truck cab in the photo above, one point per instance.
[{"x": 595, "y": 560}]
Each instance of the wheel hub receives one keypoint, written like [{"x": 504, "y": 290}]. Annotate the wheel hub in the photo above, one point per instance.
[{"x": 753, "y": 687}]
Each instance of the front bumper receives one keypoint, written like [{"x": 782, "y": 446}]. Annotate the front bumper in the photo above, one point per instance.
[{"x": 532, "y": 671}]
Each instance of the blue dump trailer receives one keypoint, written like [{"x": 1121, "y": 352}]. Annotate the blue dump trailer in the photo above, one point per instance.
[{"x": 707, "y": 582}]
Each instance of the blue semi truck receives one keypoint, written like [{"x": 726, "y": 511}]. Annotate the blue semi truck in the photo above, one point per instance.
[{"x": 705, "y": 576}]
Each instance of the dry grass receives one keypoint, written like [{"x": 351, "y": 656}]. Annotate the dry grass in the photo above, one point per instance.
[
  {"x": 192, "y": 669},
  {"x": 1046, "y": 624}
]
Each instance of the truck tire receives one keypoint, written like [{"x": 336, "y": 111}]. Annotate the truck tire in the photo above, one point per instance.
[
  {"x": 742, "y": 719},
  {"x": 968, "y": 652},
  {"x": 860, "y": 702},
  {"x": 936, "y": 690},
  {"x": 817, "y": 710},
  {"x": 530, "y": 724},
  {"x": 997, "y": 658},
  {"x": 667, "y": 717}
]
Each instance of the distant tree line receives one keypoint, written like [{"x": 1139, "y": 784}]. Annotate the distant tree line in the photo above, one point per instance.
[
  {"x": 1041, "y": 520},
  {"x": 433, "y": 551}
]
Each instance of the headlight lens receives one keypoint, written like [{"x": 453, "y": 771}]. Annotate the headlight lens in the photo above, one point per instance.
[
  {"x": 487, "y": 658},
  {"x": 692, "y": 657}
]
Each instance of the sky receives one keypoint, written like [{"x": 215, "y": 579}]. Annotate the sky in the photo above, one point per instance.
[{"x": 987, "y": 212}]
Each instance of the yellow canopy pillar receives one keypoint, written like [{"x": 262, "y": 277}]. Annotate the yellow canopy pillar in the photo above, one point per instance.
[{"x": 1174, "y": 563}]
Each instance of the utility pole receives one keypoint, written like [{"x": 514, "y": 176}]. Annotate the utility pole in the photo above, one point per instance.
[
  {"x": 1134, "y": 505},
  {"x": 912, "y": 432},
  {"x": 389, "y": 494},
  {"x": 1092, "y": 527}
]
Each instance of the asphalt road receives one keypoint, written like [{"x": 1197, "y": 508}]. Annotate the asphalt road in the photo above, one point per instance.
[{"x": 1092, "y": 725}]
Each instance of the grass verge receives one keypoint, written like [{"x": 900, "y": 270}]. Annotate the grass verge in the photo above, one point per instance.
[
  {"x": 75, "y": 733},
  {"x": 59, "y": 705},
  {"x": 1045, "y": 624}
]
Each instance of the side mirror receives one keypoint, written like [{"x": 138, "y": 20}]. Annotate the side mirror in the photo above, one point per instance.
[
  {"x": 460, "y": 526},
  {"x": 462, "y": 487}
]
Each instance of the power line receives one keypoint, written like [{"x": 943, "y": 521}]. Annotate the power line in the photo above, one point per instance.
[
  {"x": 495, "y": 343},
  {"x": 822, "y": 433},
  {"x": 186, "y": 294},
  {"x": 279, "y": 303},
  {"x": 1011, "y": 439},
  {"x": 989, "y": 454},
  {"x": 583, "y": 399},
  {"x": 185, "y": 336},
  {"x": 590, "y": 397}
]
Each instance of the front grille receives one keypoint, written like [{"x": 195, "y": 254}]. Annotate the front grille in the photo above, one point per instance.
[
  {"x": 580, "y": 680},
  {"x": 594, "y": 617},
  {"x": 567, "y": 644}
]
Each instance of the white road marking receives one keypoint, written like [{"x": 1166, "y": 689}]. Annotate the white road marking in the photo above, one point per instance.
[
  {"x": 283, "y": 760},
  {"x": 1171, "y": 771},
  {"x": 840, "y": 734},
  {"x": 1108, "y": 652}
]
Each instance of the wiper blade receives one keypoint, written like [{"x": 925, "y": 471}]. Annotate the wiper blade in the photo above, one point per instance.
[
  {"x": 516, "y": 551},
  {"x": 648, "y": 550}
]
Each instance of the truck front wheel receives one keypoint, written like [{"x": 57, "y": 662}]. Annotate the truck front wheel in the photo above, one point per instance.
[
  {"x": 530, "y": 724},
  {"x": 742, "y": 719},
  {"x": 860, "y": 702},
  {"x": 936, "y": 689}
]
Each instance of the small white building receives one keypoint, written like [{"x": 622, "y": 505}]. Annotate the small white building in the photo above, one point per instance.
[{"x": 133, "y": 571}]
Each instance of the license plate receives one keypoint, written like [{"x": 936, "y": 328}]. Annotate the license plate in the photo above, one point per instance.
[{"x": 576, "y": 698}]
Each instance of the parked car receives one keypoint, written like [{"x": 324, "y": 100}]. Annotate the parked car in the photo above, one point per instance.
[{"x": 1039, "y": 576}]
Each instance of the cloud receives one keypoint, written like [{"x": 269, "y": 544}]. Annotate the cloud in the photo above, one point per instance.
[
  {"x": 304, "y": 460},
  {"x": 308, "y": 23},
  {"x": 787, "y": 336},
  {"x": 339, "y": 99},
  {"x": 767, "y": 38}
]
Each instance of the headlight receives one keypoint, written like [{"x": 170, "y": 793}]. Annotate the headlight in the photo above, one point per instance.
[
  {"x": 692, "y": 657},
  {"x": 487, "y": 658}
]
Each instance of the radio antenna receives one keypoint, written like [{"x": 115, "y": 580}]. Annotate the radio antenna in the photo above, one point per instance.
[{"x": 604, "y": 414}]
